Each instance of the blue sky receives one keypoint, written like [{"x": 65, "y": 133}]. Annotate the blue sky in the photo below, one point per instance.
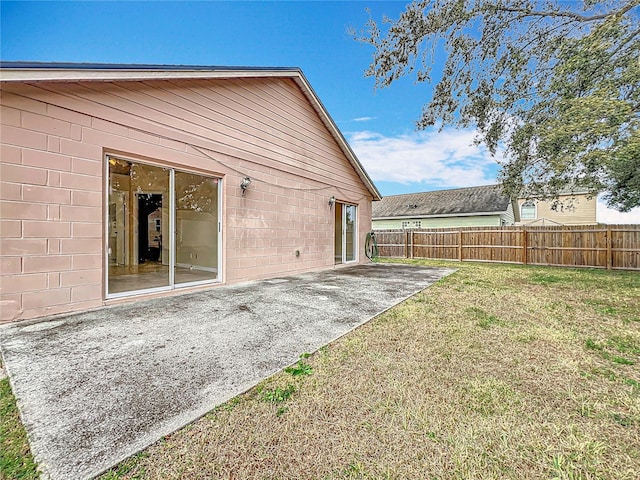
[{"x": 379, "y": 124}]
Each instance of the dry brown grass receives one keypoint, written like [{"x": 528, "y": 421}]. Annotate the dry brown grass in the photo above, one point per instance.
[{"x": 496, "y": 372}]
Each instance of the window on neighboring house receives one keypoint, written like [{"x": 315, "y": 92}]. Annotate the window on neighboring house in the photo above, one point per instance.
[
  {"x": 528, "y": 210},
  {"x": 405, "y": 224},
  {"x": 417, "y": 224}
]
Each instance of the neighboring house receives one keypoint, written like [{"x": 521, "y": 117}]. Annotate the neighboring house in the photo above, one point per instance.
[
  {"x": 570, "y": 209},
  {"x": 460, "y": 207},
  {"x": 124, "y": 181}
]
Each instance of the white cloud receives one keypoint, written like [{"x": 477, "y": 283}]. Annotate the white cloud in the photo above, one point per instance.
[
  {"x": 444, "y": 159},
  {"x": 447, "y": 159},
  {"x": 363, "y": 119},
  {"x": 605, "y": 214}
]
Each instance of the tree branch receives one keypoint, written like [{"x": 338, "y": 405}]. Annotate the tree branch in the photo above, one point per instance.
[
  {"x": 628, "y": 39},
  {"x": 573, "y": 15}
]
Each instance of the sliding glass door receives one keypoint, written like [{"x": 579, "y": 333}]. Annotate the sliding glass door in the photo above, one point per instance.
[
  {"x": 345, "y": 233},
  {"x": 196, "y": 218},
  {"x": 146, "y": 203}
]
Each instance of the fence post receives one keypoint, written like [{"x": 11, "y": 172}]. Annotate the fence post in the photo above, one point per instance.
[
  {"x": 412, "y": 241},
  {"x": 524, "y": 245},
  {"x": 609, "y": 259},
  {"x": 406, "y": 244},
  {"x": 459, "y": 245}
]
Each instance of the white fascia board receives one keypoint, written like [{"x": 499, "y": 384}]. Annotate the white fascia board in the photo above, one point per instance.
[
  {"x": 446, "y": 215},
  {"x": 570, "y": 193},
  {"x": 58, "y": 75},
  {"x": 305, "y": 86}
]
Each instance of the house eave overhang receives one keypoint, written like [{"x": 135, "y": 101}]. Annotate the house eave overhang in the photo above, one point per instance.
[
  {"x": 444, "y": 215},
  {"x": 570, "y": 192},
  {"x": 79, "y": 72},
  {"x": 33, "y": 72},
  {"x": 337, "y": 135}
]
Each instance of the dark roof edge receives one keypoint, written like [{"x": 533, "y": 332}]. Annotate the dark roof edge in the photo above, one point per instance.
[{"x": 135, "y": 67}]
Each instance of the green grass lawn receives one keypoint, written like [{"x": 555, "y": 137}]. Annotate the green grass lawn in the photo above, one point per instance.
[
  {"x": 497, "y": 371},
  {"x": 15, "y": 458}
]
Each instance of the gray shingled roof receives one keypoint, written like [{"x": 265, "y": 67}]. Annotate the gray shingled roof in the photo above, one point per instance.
[{"x": 460, "y": 201}]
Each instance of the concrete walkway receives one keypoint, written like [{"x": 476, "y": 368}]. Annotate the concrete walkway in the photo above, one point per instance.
[{"x": 95, "y": 388}]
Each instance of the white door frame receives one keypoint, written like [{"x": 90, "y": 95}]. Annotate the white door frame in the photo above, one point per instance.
[
  {"x": 171, "y": 230},
  {"x": 343, "y": 232}
]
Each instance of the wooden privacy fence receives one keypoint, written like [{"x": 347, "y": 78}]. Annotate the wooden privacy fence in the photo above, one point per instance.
[{"x": 599, "y": 246}]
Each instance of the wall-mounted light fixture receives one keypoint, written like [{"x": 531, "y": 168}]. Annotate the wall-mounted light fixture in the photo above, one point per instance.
[
  {"x": 332, "y": 201},
  {"x": 246, "y": 181}
]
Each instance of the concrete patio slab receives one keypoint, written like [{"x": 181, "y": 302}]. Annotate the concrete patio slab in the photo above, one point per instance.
[{"x": 96, "y": 387}]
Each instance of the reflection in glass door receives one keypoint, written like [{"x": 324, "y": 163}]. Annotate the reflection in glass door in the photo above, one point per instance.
[
  {"x": 349, "y": 225},
  {"x": 196, "y": 217},
  {"x": 146, "y": 203},
  {"x": 117, "y": 228},
  {"x": 345, "y": 233}
]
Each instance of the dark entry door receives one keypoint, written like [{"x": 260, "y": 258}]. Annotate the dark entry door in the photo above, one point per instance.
[{"x": 149, "y": 227}]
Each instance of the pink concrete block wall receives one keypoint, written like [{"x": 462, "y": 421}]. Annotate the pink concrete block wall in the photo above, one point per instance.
[
  {"x": 54, "y": 140},
  {"x": 272, "y": 221},
  {"x": 40, "y": 215}
]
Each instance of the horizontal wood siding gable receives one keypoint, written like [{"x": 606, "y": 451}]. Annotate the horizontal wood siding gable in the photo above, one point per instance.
[
  {"x": 129, "y": 107},
  {"x": 226, "y": 129},
  {"x": 312, "y": 126},
  {"x": 299, "y": 119},
  {"x": 287, "y": 132},
  {"x": 274, "y": 100}
]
